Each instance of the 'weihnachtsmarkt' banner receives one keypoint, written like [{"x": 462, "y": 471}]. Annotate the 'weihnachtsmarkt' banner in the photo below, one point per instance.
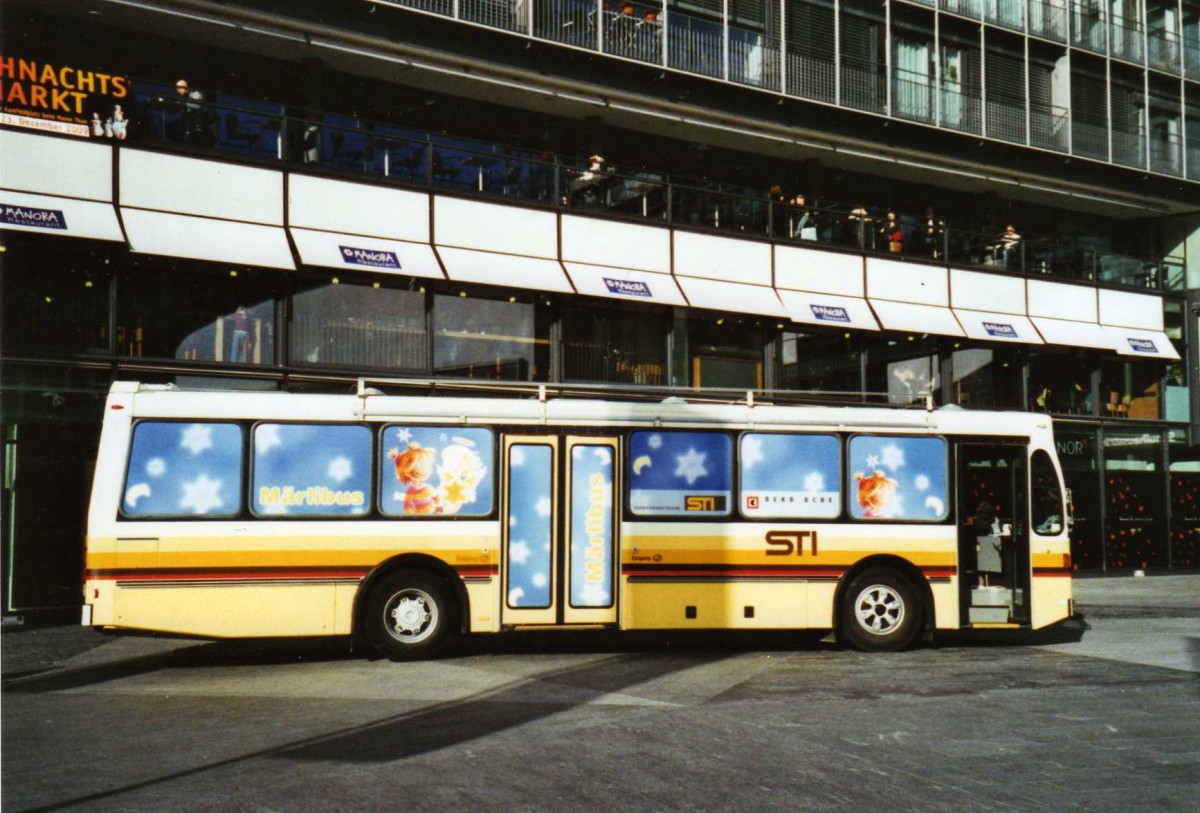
[{"x": 61, "y": 98}]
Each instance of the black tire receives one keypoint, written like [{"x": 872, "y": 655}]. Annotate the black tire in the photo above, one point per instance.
[
  {"x": 409, "y": 616},
  {"x": 881, "y": 611}
]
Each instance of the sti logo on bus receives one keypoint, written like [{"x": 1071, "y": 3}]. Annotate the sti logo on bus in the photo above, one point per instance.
[
  {"x": 1141, "y": 345},
  {"x": 32, "y": 217},
  {"x": 627, "y": 287},
  {"x": 374, "y": 259},
  {"x": 790, "y": 543},
  {"x": 704, "y": 502},
  {"x": 829, "y": 313},
  {"x": 1000, "y": 329}
]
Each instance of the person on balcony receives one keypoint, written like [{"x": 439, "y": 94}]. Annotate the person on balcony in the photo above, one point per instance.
[
  {"x": 891, "y": 234},
  {"x": 933, "y": 234},
  {"x": 1010, "y": 247},
  {"x": 803, "y": 219},
  {"x": 194, "y": 120}
]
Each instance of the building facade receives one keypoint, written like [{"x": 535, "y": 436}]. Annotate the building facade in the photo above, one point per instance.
[{"x": 986, "y": 203}]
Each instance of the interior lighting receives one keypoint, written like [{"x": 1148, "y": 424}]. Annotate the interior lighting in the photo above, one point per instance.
[
  {"x": 49, "y": 300},
  {"x": 335, "y": 281},
  {"x": 87, "y": 284},
  {"x": 233, "y": 272},
  {"x": 375, "y": 284}
]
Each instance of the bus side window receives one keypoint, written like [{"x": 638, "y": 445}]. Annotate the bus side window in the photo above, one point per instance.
[
  {"x": 680, "y": 473},
  {"x": 1047, "y": 504},
  {"x": 790, "y": 476},
  {"x": 315, "y": 470},
  {"x": 436, "y": 470},
  {"x": 179, "y": 469},
  {"x": 898, "y": 477}
]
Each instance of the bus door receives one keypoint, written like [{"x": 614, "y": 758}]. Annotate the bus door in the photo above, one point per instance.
[
  {"x": 993, "y": 535},
  {"x": 559, "y": 530}
]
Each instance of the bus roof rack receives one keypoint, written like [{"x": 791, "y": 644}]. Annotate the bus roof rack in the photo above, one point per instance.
[{"x": 433, "y": 387}]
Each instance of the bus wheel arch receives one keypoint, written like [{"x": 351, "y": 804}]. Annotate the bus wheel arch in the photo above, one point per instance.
[
  {"x": 898, "y": 582},
  {"x": 429, "y": 580}
]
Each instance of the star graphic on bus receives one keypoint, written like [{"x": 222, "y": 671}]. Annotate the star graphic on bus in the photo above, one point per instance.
[
  {"x": 201, "y": 495},
  {"x": 197, "y": 438},
  {"x": 691, "y": 466},
  {"x": 339, "y": 469}
]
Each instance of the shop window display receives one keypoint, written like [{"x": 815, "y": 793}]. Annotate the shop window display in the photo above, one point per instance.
[
  {"x": 1135, "y": 501},
  {"x": 1130, "y": 389},
  {"x": 1184, "y": 478}
]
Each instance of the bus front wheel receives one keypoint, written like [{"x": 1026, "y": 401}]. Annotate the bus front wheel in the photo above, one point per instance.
[
  {"x": 881, "y": 611},
  {"x": 409, "y": 616}
]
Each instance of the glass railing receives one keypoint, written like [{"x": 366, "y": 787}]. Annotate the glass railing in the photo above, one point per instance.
[
  {"x": 1047, "y": 19},
  {"x": 349, "y": 146}
]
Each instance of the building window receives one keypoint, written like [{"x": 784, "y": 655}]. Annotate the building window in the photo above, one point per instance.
[
  {"x": 181, "y": 309},
  {"x": 475, "y": 337},
  {"x": 618, "y": 346},
  {"x": 1061, "y": 382},
  {"x": 828, "y": 364},
  {"x": 724, "y": 352},
  {"x": 986, "y": 378},
  {"x": 359, "y": 325},
  {"x": 1129, "y": 389},
  {"x": 55, "y": 306},
  {"x": 904, "y": 370}
]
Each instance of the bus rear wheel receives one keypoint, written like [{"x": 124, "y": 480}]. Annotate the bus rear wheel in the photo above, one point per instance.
[
  {"x": 881, "y": 611},
  {"x": 409, "y": 616}
]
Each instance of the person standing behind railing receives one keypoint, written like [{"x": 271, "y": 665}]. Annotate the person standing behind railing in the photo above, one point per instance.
[
  {"x": 891, "y": 234},
  {"x": 194, "y": 126},
  {"x": 933, "y": 234},
  {"x": 1010, "y": 245}
]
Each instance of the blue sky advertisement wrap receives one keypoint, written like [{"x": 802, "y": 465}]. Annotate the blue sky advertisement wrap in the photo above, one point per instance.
[
  {"x": 311, "y": 470},
  {"x": 790, "y": 476},
  {"x": 184, "y": 469},
  {"x": 591, "y": 526},
  {"x": 429, "y": 470},
  {"x": 680, "y": 473},
  {"x": 529, "y": 518},
  {"x": 897, "y": 477}
]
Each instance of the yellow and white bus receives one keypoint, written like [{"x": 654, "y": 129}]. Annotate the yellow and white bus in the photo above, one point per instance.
[{"x": 404, "y": 520}]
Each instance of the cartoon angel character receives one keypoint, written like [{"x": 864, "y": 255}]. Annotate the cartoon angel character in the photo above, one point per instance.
[
  {"x": 413, "y": 467},
  {"x": 874, "y": 492},
  {"x": 461, "y": 471}
]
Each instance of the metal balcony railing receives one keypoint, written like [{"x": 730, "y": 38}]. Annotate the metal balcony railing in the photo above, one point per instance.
[
  {"x": 912, "y": 96},
  {"x": 1192, "y": 151},
  {"x": 1088, "y": 25},
  {"x": 863, "y": 86},
  {"x": 1050, "y": 128},
  {"x": 811, "y": 77},
  {"x": 960, "y": 109},
  {"x": 696, "y": 45},
  {"x": 1047, "y": 19},
  {"x": 1006, "y": 13},
  {"x": 1163, "y": 52},
  {"x": 1128, "y": 148},
  {"x": 1006, "y": 118},
  {"x": 753, "y": 59},
  {"x": 1125, "y": 39},
  {"x": 508, "y": 15},
  {"x": 1191, "y": 57},
  {"x": 964, "y": 8},
  {"x": 1166, "y": 153},
  {"x": 1089, "y": 137}
]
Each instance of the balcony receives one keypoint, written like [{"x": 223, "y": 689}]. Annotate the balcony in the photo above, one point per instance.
[
  {"x": 1088, "y": 25},
  {"x": 1050, "y": 128},
  {"x": 270, "y": 134},
  {"x": 1006, "y": 13},
  {"x": 1048, "y": 19},
  {"x": 1163, "y": 51},
  {"x": 1006, "y": 118},
  {"x": 1166, "y": 153},
  {"x": 1125, "y": 40}
]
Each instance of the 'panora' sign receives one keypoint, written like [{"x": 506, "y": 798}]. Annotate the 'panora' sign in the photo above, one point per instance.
[
  {"x": 370, "y": 257},
  {"x": 32, "y": 217},
  {"x": 625, "y": 287}
]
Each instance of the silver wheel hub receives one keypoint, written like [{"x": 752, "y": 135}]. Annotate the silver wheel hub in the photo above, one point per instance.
[
  {"x": 879, "y": 609},
  {"x": 411, "y": 616}
]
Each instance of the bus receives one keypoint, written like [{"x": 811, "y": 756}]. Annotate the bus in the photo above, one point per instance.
[{"x": 403, "y": 519}]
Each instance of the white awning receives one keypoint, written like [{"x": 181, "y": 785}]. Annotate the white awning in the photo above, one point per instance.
[
  {"x": 1069, "y": 333},
  {"x": 625, "y": 283},
  {"x": 997, "y": 327},
  {"x": 735, "y": 297},
  {"x": 206, "y": 238},
  {"x": 1142, "y": 343},
  {"x": 47, "y": 214},
  {"x": 358, "y": 253},
  {"x": 910, "y": 317},
  {"x": 509, "y": 270},
  {"x": 828, "y": 310}
]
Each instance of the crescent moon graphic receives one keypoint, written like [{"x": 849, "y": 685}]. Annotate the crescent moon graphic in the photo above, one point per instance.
[
  {"x": 641, "y": 463},
  {"x": 135, "y": 493}
]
